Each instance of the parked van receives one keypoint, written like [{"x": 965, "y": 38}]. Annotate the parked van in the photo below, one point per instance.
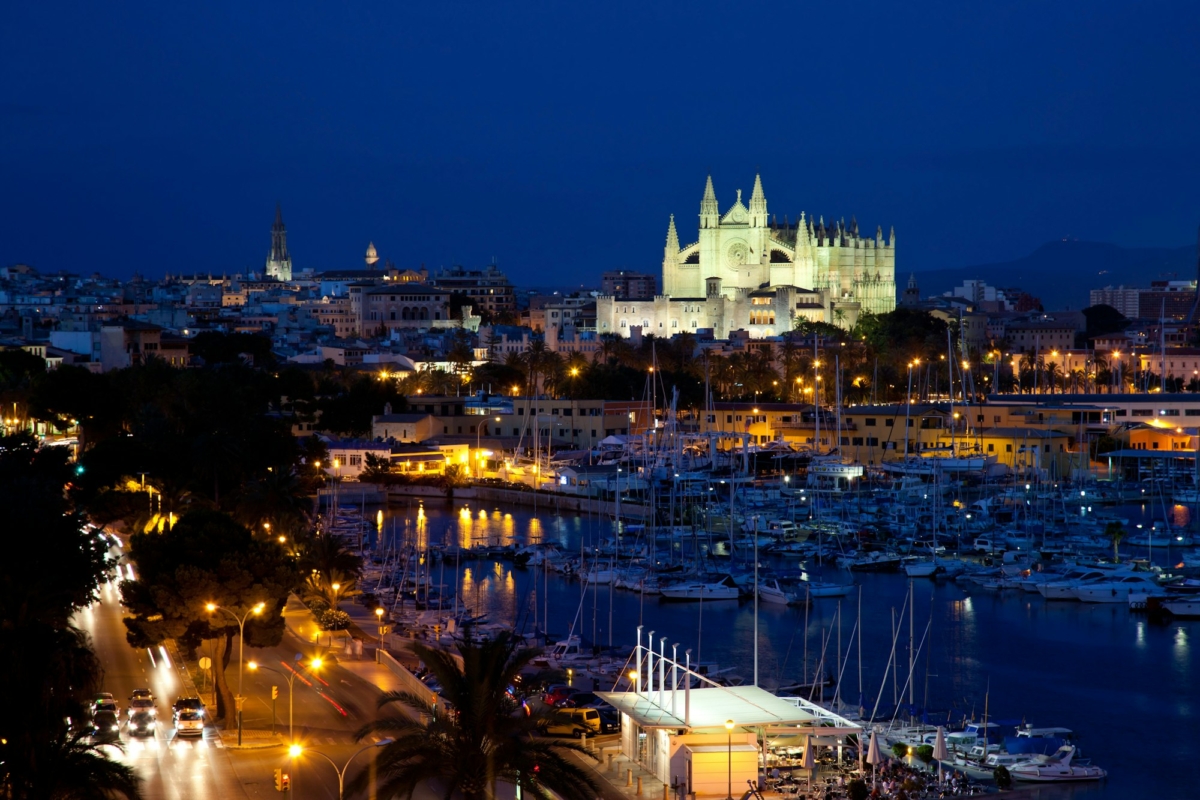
[{"x": 574, "y": 722}]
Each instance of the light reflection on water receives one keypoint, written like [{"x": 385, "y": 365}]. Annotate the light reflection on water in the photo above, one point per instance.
[{"x": 1055, "y": 664}]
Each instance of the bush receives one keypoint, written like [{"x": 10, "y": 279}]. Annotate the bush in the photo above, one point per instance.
[
  {"x": 318, "y": 605},
  {"x": 1002, "y": 777},
  {"x": 900, "y": 750},
  {"x": 333, "y": 620},
  {"x": 925, "y": 753}
]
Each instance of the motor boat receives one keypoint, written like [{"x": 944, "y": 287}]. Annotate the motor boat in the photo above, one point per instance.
[
  {"x": 817, "y": 589},
  {"x": 725, "y": 589},
  {"x": 1057, "y": 768},
  {"x": 1182, "y": 608},
  {"x": 772, "y": 593},
  {"x": 1115, "y": 590}
]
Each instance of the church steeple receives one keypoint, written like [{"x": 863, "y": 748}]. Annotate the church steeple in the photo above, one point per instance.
[
  {"x": 758, "y": 204},
  {"x": 672, "y": 248},
  {"x": 279, "y": 263},
  {"x": 710, "y": 215}
]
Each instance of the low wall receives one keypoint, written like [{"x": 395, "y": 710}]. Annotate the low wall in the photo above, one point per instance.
[
  {"x": 409, "y": 681},
  {"x": 550, "y": 502}
]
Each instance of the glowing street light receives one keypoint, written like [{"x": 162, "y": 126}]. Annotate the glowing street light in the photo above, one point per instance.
[{"x": 241, "y": 621}]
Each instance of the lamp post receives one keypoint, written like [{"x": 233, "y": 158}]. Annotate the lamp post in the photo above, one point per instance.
[
  {"x": 478, "y": 428},
  {"x": 729, "y": 751},
  {"x": 290, "y": 677},
  {"x": 337, "y": 587},
  {"x": 295, "y": 751},
  {"x": 379, "y": 622},
  {"x": 241, "y": 621}
]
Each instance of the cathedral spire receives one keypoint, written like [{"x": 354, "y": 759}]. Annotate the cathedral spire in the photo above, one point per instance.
[
  {"x": 279, "y": 263},
  {"x": 758, "y": 204},
  {"x": 672, "y": 239},
  {"x": 710, "y": 215}
]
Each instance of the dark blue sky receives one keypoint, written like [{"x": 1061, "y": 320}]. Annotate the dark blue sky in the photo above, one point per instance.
[{"x": 557, "y": 137}]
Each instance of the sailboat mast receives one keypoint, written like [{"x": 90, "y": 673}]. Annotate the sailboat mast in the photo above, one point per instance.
[{"x": 911, "y": 653}]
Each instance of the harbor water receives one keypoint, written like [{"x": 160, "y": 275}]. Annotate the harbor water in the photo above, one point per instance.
[{"x": 1123, "y": 681}]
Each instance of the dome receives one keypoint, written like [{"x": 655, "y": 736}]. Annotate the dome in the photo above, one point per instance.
[{"x": 372, "y": 254}]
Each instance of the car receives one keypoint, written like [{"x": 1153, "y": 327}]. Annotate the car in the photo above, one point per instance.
[
  {"x": 580, "y": 700},
  {"x": 106, "y": 727},
  {"x": 573, "y": 722},
  {"x": 104, "y": 701},
  {"x": 610, "y": 720},
  {"x": 188, "y": 704},
  {"x": 141, "y": 701},
  {"x": 142, "y": 723},
  {"x": 556, "y": 693},
  {"x": 188, "y": 722}
]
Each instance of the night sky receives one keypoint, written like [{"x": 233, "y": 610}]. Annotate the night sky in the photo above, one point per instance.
[{"x": 557, "y": 138}]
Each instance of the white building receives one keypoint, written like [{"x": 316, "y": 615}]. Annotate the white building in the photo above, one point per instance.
[{"x": 747, "y": 271}]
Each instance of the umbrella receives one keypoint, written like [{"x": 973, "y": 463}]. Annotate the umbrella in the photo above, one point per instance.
[
  {"x": 809, "y": 762},
  {"x": 939, "y": 750},
  {"x": 873, "y": 756}
]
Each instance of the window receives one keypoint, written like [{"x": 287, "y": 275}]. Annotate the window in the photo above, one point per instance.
[
  {"x": 1140, "y": 412},
  {"x": 857, "y": 441},
  {"x": 889, "y": 422},
  {"x": 711, "y": 418},
  {"x": 593, "y": 434},
  {"x": 869, "y": 422},
  {"x": 1120, "y": 412},
  {"x": 622, "y": 323},
  {"x": 991, "y": 447},
  {"x": 729, "y": 417},
  {"x": 872, "y": 441},
  {"x": 1008, "y": 448},
  {"x": 1192, "y": 412},
  {"x": 1169, "y": 412}
]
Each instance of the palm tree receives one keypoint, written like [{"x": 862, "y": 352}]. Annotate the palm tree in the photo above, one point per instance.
[
  {"x": 483, "y": 741},
  {"x": 326, "y": 556},
  {"x": 1115, "y": 532},
  {"x": 69, "y": 766}
]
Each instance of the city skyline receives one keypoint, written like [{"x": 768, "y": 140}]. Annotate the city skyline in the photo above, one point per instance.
[{"x": 161, "y": 142}]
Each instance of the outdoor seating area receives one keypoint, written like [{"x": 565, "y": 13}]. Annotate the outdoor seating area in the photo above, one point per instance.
[{"x": 829, "y": 778}]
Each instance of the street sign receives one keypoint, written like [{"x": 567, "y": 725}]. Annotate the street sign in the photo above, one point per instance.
[{"x": 205, "y": 662}]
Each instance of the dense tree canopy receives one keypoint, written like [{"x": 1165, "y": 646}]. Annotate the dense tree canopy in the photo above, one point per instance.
[{"x": 207, "y": 558}]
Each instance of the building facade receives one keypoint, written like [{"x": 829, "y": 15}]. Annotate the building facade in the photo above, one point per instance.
[
  {"x": 748, "y": 271},
  {"x": 405, "y": 305},
  {"x": 628, "y": 285},
  {"x": 488, "y": 289}
]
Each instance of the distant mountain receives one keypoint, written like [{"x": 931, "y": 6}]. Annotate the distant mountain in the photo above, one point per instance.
[{"x": 1061, "y": 273}]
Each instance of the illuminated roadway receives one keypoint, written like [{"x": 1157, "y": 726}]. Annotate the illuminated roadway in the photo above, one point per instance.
[{"x": 180, "y": 768}]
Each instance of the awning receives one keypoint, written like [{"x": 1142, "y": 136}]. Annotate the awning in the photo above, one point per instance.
[{"x": 709, "y": 707}]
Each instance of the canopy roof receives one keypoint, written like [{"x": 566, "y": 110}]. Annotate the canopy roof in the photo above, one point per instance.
[{"x": 709, "y": 707}]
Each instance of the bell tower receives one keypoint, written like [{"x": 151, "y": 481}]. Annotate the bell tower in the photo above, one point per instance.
[{"x": 279, "y": 263}]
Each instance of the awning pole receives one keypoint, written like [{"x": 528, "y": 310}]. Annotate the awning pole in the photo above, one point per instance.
[
  {"x": 674, "y": 677},
  {"x": 687, "y": 689}
]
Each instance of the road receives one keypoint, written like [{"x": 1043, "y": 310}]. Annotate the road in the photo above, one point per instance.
[{"x": 177, "y": 768}]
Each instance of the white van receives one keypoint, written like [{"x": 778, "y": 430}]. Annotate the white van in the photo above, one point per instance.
[{"x": 574, "y": 722}]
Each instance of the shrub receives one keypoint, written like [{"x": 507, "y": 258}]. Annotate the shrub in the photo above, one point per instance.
[
  {"x": 318, "y": 605},
  {"x": 1002, "y": 777},
  {"x": 899, "y": 749},
  {"x": 925, "y": 753},
  {"x": 333, "y": 620}
]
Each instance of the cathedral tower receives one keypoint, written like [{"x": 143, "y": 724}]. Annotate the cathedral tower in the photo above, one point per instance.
[{"x": 279, "y": 263}]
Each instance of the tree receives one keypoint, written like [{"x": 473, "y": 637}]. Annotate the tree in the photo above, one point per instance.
[
  {"x": 1115, "y": 532},
  {"x": 452, "y": 478},
  {"x": 43, "y": 658},
  {"x": 71, "y": 768},
  {"x": 484, "y": 740},
  {"x": 207, "y": 558}
]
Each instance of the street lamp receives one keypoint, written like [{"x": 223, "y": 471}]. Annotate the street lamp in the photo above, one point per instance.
[
  {"x": 729, "y": 751},
  {"x": 379, "y": 622},
  {"x": 478, "y": 428},
  {"x": 241, "y": 621},
  {"x": 290, "y": 676},
  {"x": 295, "y": 751},
  {"x": 337, "y": 587}
]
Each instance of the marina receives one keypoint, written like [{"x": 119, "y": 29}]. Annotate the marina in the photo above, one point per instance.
[{"x": 933, "y": 651}]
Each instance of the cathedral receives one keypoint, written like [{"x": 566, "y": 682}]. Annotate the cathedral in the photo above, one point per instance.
[
  {"x": 749, "y": 272},
  {"x": 279, "y": 263}
]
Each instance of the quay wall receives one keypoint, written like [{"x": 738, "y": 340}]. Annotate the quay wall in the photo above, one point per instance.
[{"x": 555, "y": 502}]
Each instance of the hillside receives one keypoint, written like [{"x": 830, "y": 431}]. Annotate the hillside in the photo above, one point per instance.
[{"x": 1061, "y": 273}]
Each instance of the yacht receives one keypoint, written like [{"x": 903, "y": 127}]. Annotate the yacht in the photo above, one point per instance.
[
  {"x": 774, "y": 594},
  {"x": 1116, "y": 589},
  {"x": 1182, "y": 608},
  {"x": 724, "y": 589},
  {"x": 1057, "y": 768}
]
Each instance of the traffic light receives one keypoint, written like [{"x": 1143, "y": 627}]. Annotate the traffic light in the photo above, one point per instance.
[
  {"x": 278, "y": 780},
  {"x": 274, "y": 692},
  {"x": 287, "y": 782},
  {"x": 79, "y": 469}
]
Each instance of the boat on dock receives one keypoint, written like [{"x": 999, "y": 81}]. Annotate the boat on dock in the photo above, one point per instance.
[{"x": 1058, "y": 768}]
